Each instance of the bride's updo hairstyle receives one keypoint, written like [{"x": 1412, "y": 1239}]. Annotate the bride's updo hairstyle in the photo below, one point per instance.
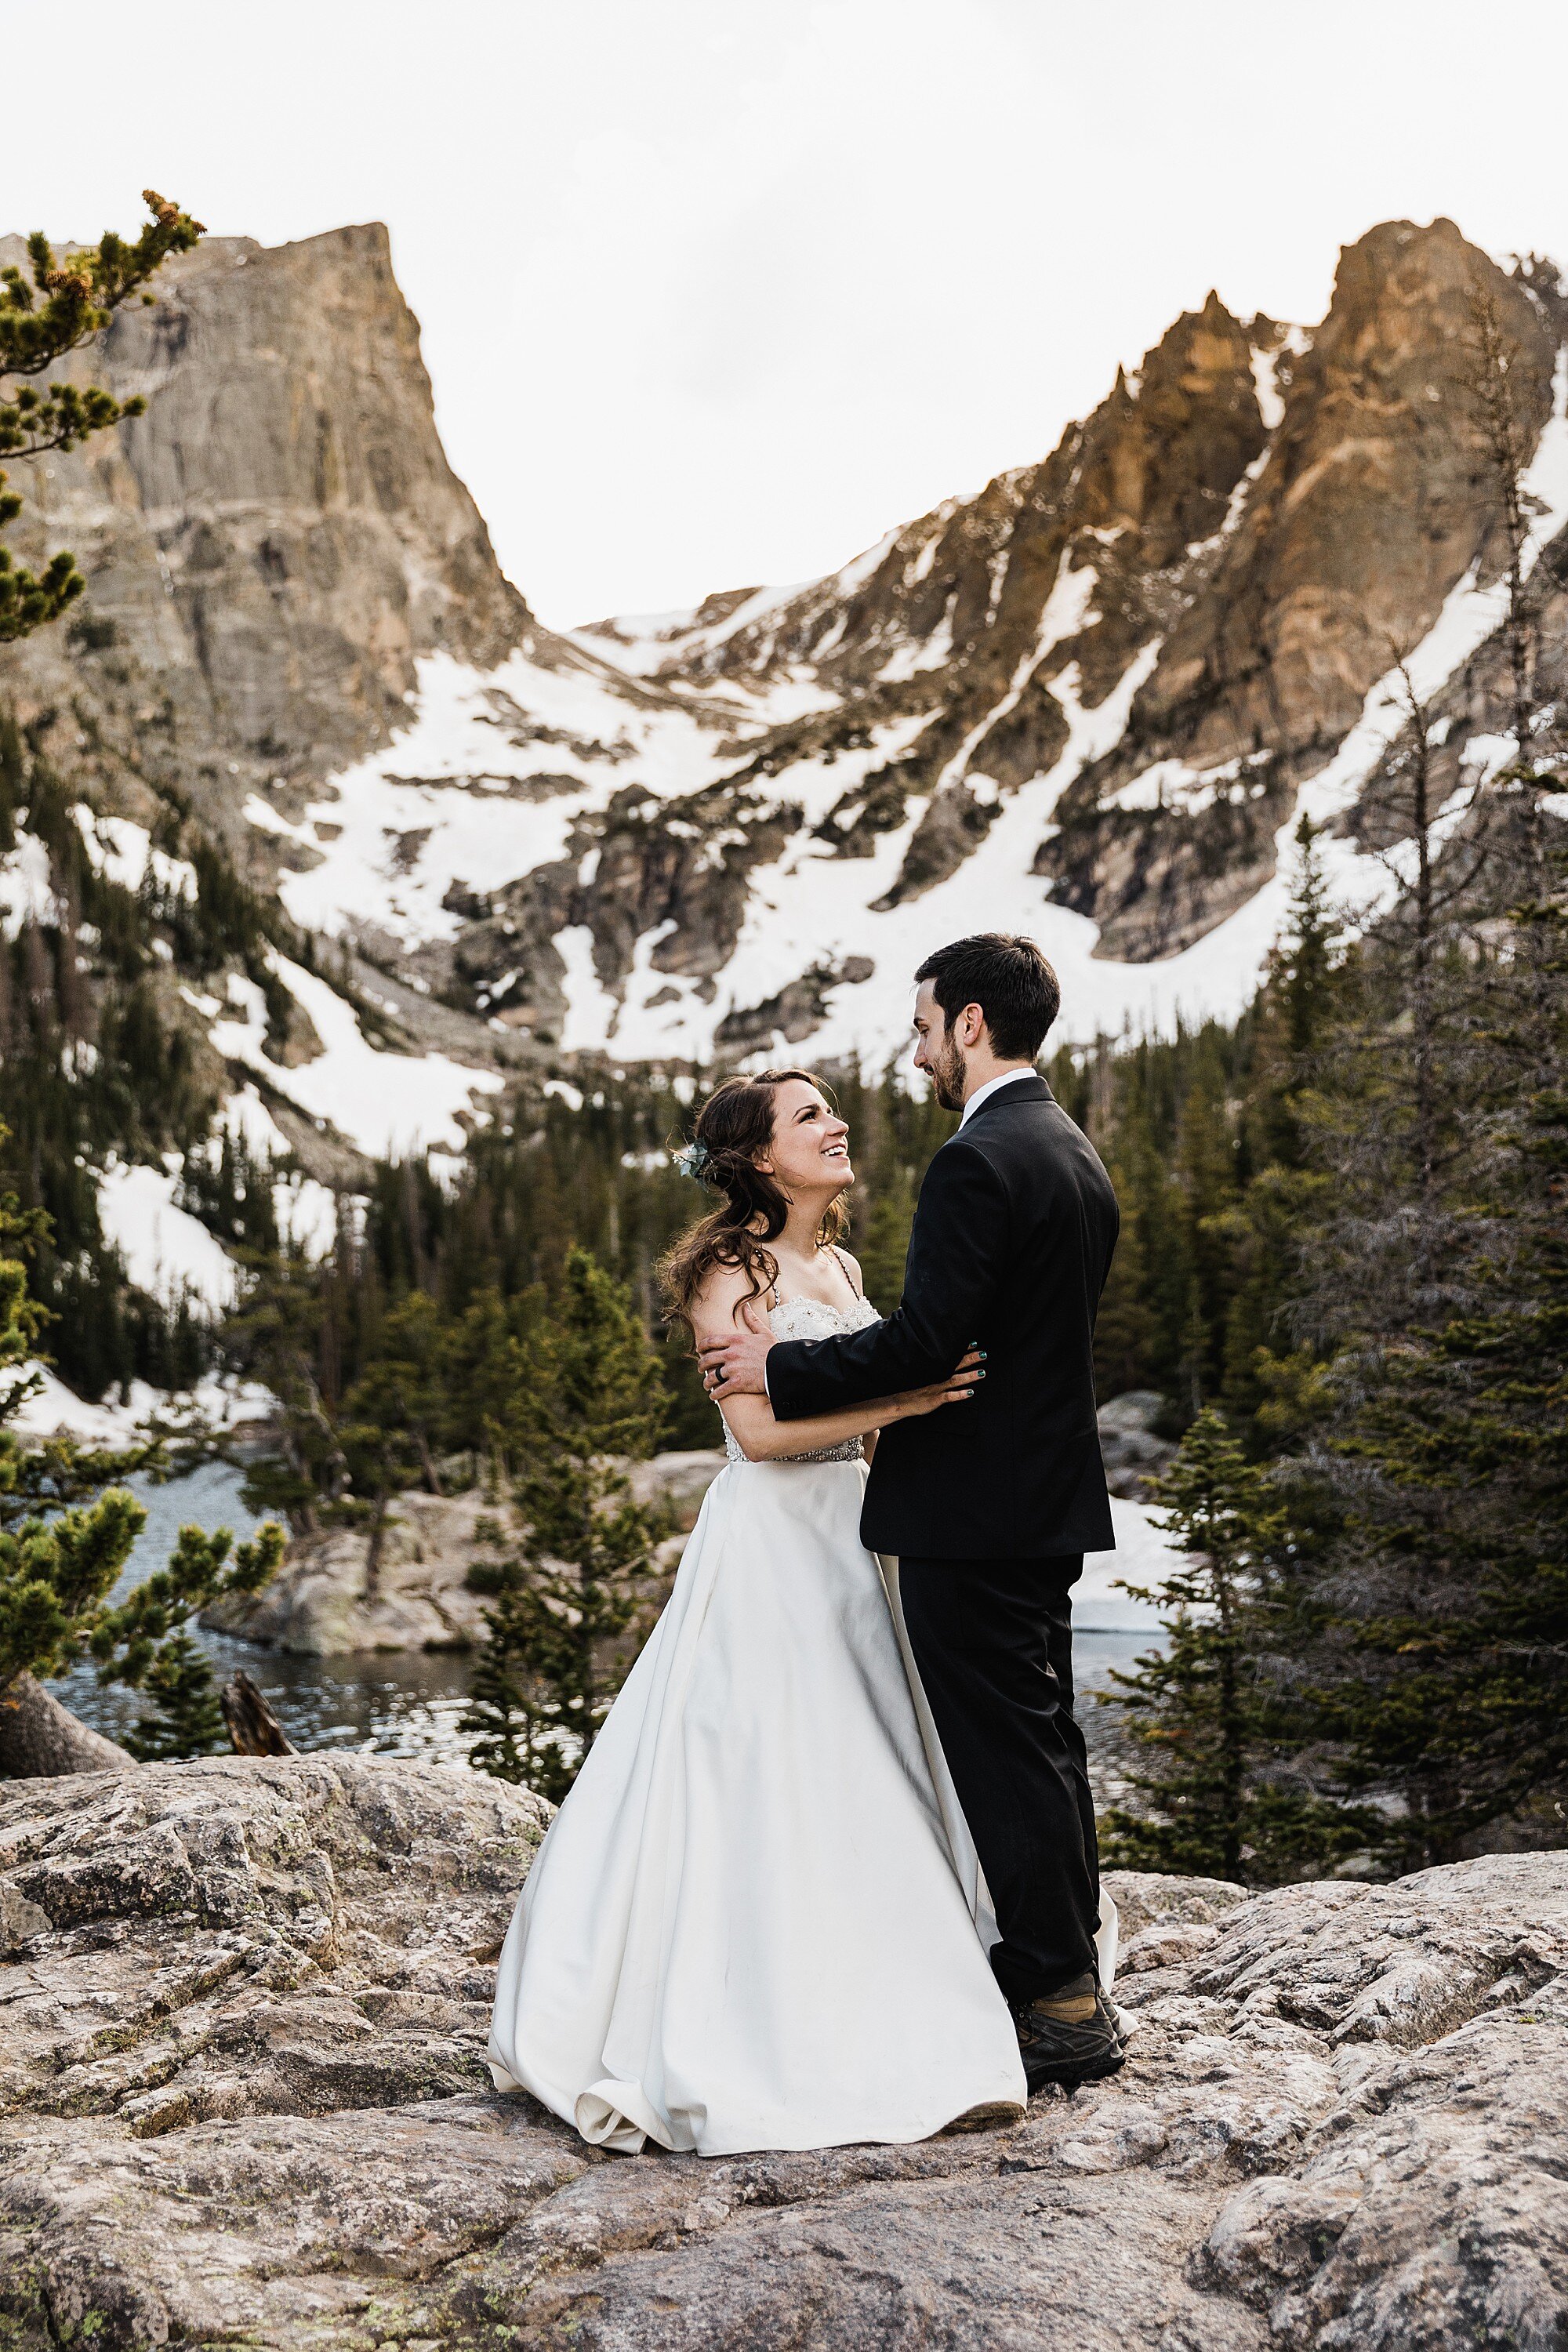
[{"x": 734, "y": 1126}]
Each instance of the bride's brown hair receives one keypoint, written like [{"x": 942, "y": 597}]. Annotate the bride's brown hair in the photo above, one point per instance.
[{"x": 733, "y": 1125}]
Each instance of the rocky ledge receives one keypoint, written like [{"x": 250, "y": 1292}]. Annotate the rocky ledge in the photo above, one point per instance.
[{"x": 241, "y": 2031}]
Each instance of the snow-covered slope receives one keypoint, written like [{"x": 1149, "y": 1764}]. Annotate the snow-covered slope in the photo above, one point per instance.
[
  {"x": 1087, "y": 702},
  {"x": 723, "y": 831}
]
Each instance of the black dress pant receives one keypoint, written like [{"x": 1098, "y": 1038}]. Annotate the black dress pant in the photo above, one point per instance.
[{"x": 993, "y": 1640}]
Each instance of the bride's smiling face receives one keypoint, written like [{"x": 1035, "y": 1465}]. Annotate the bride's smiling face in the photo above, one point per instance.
[{"x": 810, "y": 1148}]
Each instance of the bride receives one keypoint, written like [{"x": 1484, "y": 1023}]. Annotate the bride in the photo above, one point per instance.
[{"x": 757, "y": 1921}]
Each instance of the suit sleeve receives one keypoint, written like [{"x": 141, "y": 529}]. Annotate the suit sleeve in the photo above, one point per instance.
[{"x": 959, "y": 1249}]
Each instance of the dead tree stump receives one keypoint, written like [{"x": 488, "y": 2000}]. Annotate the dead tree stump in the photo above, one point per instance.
[{"x": 252, "y": 1725}]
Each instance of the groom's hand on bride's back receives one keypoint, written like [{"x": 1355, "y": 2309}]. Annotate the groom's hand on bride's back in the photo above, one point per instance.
[{"x": 735, "y": 1365}]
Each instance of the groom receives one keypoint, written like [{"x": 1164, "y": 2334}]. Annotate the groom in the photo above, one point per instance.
[{"x": 991, "y": 1512}]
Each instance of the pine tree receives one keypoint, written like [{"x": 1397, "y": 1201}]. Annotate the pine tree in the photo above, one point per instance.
[
  {"x": 140, "y": 1092},
  {"x": 484, "y": 1377},
  {"x": 1294, "y": 1014},
  {"x": 66, "y": 1532},
  {"x": 1455, "y": 1443},
  {"x": 513, "y": 1732},
  {"x": 395, "y": 1417},
  {"x": 43, "y": 316},
  {"x": 1214, "y": 1724},
  {"x": 1145, "y": 1323},
  {"x": 1283, "y": 1197},
  {"x": 189, "y": 1719},
  {"x": 884, "y": 1246},
  {"x": 277, "y": 1334},
  {"x": 1206, "y": 1171},
  {"x": 562, "y": 1599}
]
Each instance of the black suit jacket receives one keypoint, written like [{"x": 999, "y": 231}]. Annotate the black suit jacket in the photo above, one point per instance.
[{"x": 1012, "y": 1241}]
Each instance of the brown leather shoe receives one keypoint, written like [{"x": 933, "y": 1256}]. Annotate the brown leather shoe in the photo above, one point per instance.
[{"x": 1068, "y": 2049}]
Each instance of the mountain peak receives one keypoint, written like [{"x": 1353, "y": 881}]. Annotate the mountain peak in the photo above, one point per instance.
[{"x": 1083, "y": 702}]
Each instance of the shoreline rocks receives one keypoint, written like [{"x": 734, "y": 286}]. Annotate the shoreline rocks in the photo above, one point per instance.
[
  {"x": 1129, "y": 1446},
  {"x": 243, "y": 2100},
  {"x": 326, "y": 1602}
]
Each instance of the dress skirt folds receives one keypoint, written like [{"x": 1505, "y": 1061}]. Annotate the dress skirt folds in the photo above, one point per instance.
[{"x": 757, "y": 1921}]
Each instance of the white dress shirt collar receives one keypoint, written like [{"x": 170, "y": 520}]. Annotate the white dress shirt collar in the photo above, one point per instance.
[{"x": 992, "y": 1086}]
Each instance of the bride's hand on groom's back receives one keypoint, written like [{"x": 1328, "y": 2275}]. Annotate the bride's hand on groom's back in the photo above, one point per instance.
[{"x": 957, "y": 1389}]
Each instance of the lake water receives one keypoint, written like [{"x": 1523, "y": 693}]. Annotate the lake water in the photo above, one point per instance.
[{"x": 395, "y": 1703}]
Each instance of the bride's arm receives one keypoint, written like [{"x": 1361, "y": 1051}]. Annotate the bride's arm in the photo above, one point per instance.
[
  {"x": 761, "y": 1438},
  {"x": 750, "y": 1419}
]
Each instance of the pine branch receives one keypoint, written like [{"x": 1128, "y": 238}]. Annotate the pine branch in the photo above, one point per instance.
[{"x": 42, "y": 321}]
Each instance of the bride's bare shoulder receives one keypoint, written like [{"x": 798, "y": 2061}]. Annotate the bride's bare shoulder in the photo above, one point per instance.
[{"x": 725, "y": 1290}]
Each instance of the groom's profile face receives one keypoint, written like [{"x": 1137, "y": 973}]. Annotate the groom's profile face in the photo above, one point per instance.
[{"x": 937, "y": 1051}]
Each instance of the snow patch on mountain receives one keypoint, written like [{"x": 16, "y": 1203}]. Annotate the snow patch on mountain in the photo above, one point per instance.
[
  {"x": 1066, "y": 610},
  {"x": 915, "y": 654},
  {"x": 590, "y": 1008},
  {"x": 166, "y": 1251},
  {"x": 811, "y": 911},
  {"x": 815, "y": 785},
  {"x": 26, "y": 893},
  {"x": 1293, "y": 344},
  {"x": 1172, "y": 784},
  {"x": 388, "y": 1104},
  {"x": 1270, "y": 400},
  {"x": 641, "y": 643},
  {"x": 124, "y": 853},
  {"x": 481, "y": 788}
]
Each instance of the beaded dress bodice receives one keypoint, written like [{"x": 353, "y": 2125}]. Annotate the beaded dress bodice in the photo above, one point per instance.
[{"x": 813, "y": 1319}]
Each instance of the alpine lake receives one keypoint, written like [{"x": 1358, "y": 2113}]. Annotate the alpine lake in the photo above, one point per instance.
[{"x": 409, "y": 1702}]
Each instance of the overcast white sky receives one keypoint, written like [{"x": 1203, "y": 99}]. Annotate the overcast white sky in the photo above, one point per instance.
[{"x": 714, "y": 291}]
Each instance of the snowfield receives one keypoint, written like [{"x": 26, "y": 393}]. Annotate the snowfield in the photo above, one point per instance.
[
  {"x": 495, "y": 769},
  {"x": 388, "y": 1104},
  {"x": 166, "y": 1251}
]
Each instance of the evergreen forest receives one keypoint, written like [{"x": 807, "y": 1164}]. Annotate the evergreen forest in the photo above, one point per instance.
[{"x": 1341, "y": 1268}]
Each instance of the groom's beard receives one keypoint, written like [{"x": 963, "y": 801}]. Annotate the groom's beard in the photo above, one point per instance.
[{"x": 948, "y": 1075}]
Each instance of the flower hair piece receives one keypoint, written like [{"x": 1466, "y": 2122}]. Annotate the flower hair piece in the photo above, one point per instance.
[{"x": 693, "y": 1160}]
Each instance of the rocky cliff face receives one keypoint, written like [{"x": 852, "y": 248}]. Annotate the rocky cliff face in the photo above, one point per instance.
[
  {"x": 271, "y": 546},
  {"x": 1084, "y": 702},
  {"x": 1095, "y": 690},
  {"x": 1055, "y": 577},
  {"x": 1375, "y": 498},
  {"x": 243, "y": 2008},
  {"x": 1277, "y": 515}
]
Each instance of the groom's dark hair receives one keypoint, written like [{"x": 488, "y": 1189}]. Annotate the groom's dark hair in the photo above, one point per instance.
[{"x": 1010, "y": 981}]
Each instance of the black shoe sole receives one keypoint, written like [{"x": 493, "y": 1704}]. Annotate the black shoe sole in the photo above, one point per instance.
[{"x": 1067, "y": 2073}]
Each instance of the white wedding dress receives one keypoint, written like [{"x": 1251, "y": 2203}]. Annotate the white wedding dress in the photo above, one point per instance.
[{"x": 757, "y": 1921}]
